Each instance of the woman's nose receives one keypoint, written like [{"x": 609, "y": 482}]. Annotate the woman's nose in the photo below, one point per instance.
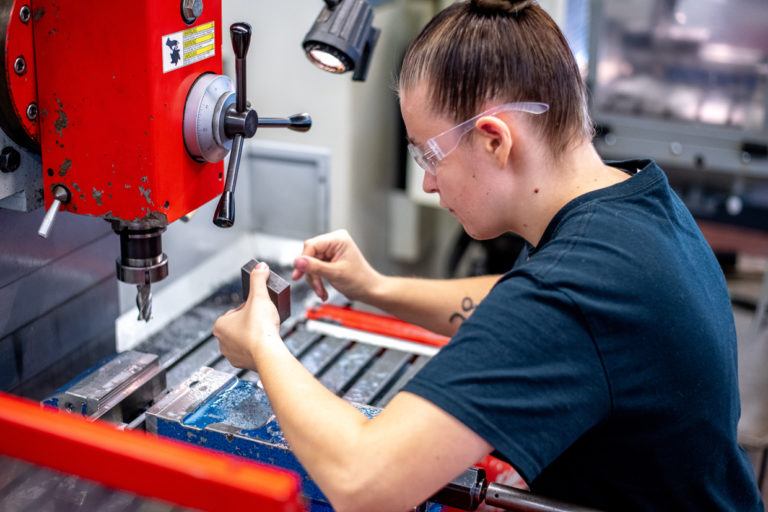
[{"x": 429, "y": 184}]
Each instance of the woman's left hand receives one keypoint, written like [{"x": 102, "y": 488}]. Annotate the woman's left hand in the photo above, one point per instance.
[{"x": 243, "y": 331}]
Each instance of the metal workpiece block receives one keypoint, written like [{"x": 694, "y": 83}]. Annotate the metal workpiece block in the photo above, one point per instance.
[
  {"x": 232, "y": 416},
  {"x": 115, "y": 391},
  {"x": 279, "y": 289}
]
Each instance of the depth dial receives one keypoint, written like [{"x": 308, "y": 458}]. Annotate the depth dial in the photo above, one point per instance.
[{"x": 204, "y": 114}]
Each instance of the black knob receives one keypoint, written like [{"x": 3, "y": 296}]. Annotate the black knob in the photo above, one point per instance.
[
  {"x": 225, "y": 211},
  {"x": 300, "y": 122},
  {"x": 241, "y": 38}
]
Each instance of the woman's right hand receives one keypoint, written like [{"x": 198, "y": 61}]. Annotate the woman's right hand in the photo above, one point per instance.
[{"x": 335, "y": 257}]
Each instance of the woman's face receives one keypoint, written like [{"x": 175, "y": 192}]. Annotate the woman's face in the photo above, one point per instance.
[{"x": 467, "y": 188}]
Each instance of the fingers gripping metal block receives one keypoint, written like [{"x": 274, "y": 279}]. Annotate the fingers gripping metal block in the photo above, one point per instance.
[{"x": 279, "y": 289}]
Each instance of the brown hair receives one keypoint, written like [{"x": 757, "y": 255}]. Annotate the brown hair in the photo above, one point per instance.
[{"x": 480, "y": 51}]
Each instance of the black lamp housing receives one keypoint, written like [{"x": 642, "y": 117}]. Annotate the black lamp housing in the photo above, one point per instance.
[{"x": 342, "y": 38}]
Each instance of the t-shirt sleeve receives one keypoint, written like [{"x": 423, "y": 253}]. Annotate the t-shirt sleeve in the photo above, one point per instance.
[{"x": 522, "y": 372}]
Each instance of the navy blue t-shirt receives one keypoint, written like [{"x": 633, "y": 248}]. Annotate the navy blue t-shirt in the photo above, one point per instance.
[{"x": 603, "y": 365}]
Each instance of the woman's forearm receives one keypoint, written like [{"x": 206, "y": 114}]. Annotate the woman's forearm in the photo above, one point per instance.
[
  {"x": 440, "y": 305},
  {"x": 390, "y": 463}
]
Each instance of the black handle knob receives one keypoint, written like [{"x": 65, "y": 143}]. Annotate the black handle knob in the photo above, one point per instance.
[
  {"x": 225, "y": 210},
  {"x": 297, "y": 122},
  {"x": 300, "y": 122},
  {"x": 241, "y": 40}
]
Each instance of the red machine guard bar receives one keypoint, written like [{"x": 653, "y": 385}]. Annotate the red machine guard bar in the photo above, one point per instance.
[{"x": 155, "y": 467}]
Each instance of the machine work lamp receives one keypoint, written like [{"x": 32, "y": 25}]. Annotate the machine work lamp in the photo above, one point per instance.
[{"x": 342, "y": 38}]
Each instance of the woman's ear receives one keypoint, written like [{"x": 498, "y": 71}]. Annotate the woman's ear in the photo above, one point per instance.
[{"x": 496, "y": 137}]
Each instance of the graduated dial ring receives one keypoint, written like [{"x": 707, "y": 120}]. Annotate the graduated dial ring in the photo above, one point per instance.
[{"x": 204, "y": 113}]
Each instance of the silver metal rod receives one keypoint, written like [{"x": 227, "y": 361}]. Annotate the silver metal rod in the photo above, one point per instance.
[
  {"x": 61, "y": 196},
  {"x": 510, "y": 498},
  {"x": 50, "y": 216}
]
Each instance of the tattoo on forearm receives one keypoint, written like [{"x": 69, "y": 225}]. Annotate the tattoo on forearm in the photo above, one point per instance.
[{"x": 467, "y": 305}]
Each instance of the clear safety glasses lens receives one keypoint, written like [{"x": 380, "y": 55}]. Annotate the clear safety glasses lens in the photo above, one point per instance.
[{"x": 421, "y": 159}]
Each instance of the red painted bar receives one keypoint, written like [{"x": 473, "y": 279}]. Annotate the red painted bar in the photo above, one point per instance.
[
  {"x": 375, "y": 323},
  {"x": 143, "y": 464}
]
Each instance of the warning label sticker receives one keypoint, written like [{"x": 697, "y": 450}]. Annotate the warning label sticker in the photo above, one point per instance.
[{"x": 188, "y": 46}]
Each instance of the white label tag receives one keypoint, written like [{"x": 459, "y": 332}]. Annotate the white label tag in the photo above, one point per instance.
[{"x": 188, "y": 46}]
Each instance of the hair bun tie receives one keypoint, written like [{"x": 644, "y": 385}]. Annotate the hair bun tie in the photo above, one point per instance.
[{"x": 506, "y": 6}]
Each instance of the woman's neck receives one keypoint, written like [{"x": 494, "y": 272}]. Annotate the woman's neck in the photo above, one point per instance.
[{"x": 555, "y": 183}]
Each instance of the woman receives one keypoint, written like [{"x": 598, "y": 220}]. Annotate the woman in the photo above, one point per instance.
[{"x": 602, "y": 366}]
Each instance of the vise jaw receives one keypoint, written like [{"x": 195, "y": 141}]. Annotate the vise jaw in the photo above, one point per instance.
[{"x": 115, "y": 391}]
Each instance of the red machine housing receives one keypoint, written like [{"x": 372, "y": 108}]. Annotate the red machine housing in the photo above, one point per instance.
[
  {"x": 20, "y": 84},
  {"x": 110, "y": 115}
]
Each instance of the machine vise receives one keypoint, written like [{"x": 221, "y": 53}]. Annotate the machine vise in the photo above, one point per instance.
[{"x": 216, "y": 410}]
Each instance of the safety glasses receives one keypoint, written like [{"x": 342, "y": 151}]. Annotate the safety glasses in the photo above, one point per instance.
[{"x": 429, "y": 154}]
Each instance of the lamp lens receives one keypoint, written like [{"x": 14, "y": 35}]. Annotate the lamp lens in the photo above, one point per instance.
[{"x": 326, "y": 60}]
